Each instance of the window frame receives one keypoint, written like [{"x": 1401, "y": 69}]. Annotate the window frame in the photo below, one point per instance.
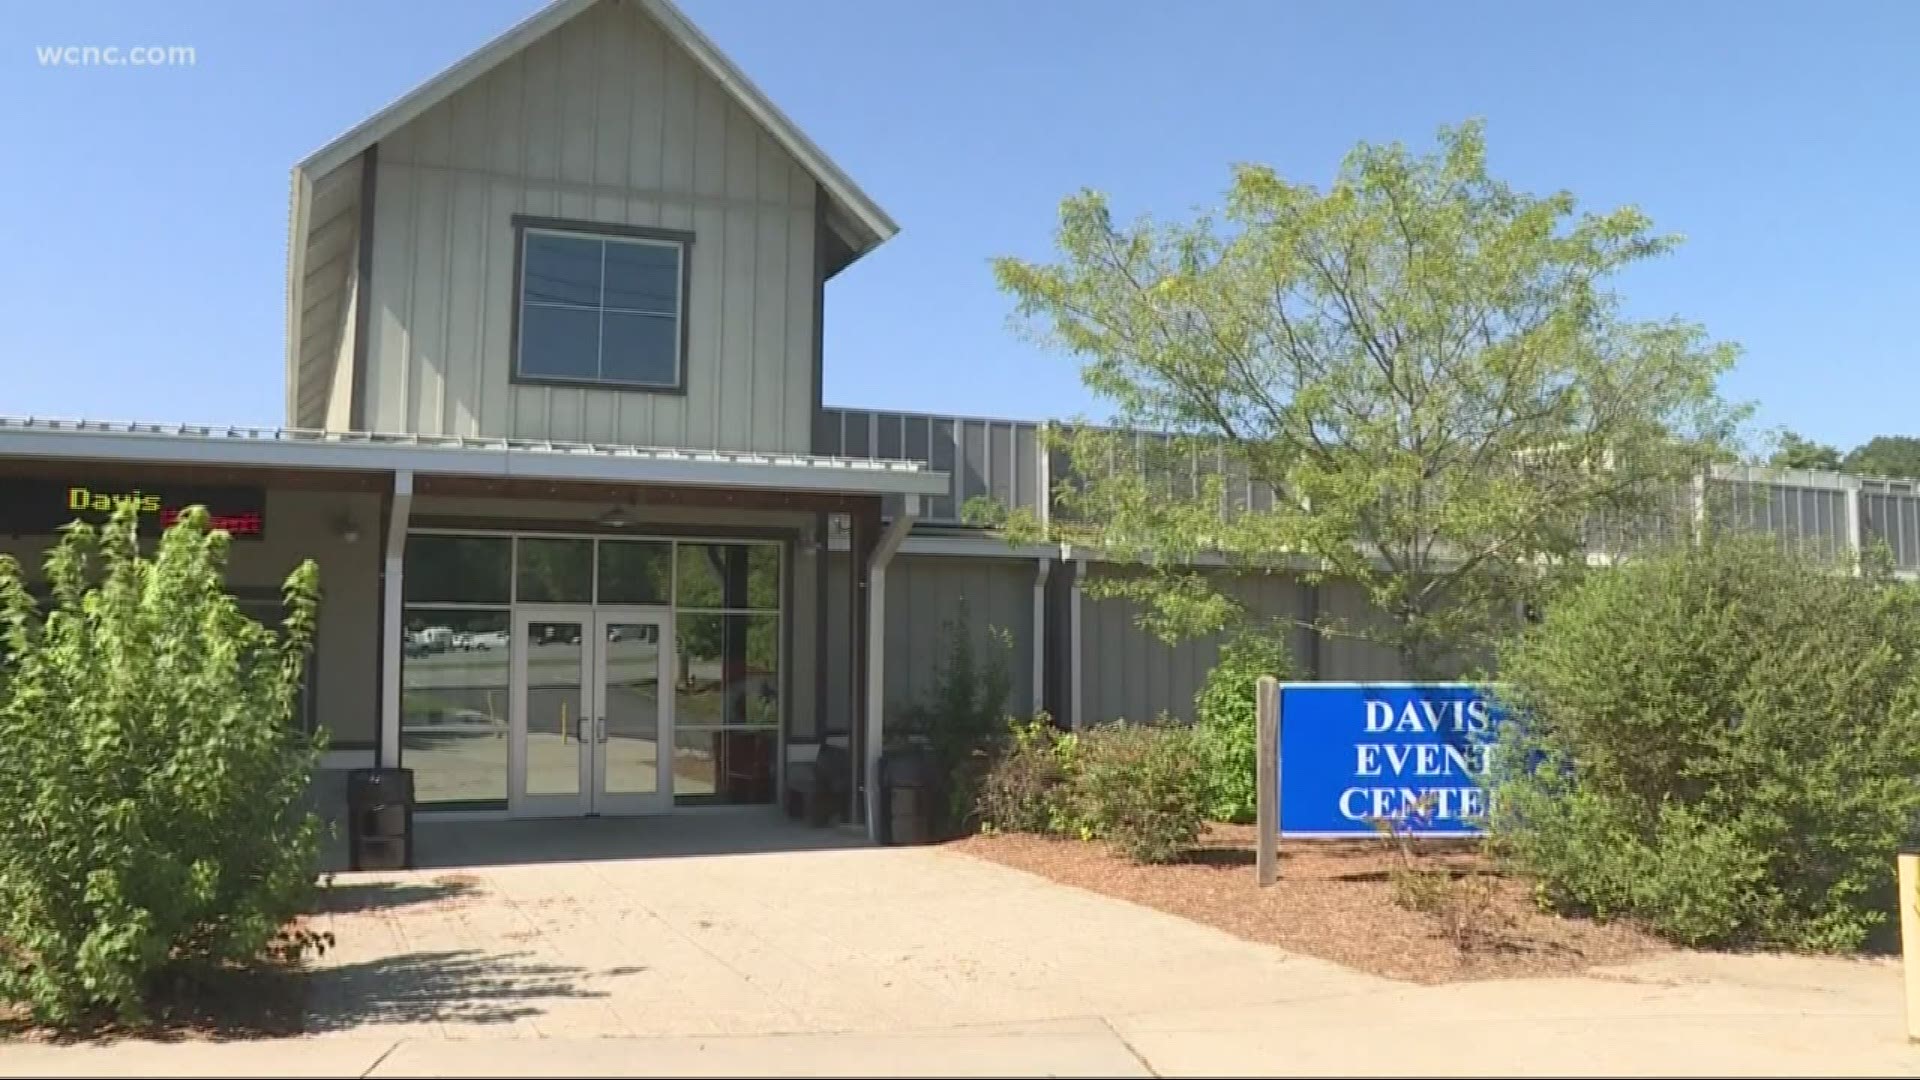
[{"x": 604, "y": 232}]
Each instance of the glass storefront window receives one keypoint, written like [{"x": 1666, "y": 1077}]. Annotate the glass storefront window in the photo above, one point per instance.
[
  {"x": 733, "y": 767},
  {"x": 733, "y": 576},
  {"x": 729, "y": 670},
  {"x": 727, "y": 688},
  {"x": 636, "y": 572},
  {"x": 458, "y": 569},
  {"x": 453, "y": 704},
  {"x": 554, "y": 571}
]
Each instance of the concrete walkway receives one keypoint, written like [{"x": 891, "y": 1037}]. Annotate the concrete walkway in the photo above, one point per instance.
[{"x": 735, "y": 945}]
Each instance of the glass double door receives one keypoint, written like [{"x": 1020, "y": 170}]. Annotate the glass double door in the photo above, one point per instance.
[{"x": 592, "y": 721}]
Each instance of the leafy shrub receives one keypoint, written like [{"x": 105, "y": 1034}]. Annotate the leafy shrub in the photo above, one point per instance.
[
  {"x": 961, "y": 719},
  {"x": 1140, "y": 787},
  {"x": 1722, "y": 742},
  {"x": 1137, "y": 786},
  {"x": 1027, "y": 787},
  {"x": 154, "y": 787},
  {"x": 1228, "y": 721}
]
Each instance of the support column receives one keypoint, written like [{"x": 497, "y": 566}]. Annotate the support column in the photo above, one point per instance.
[
  {"x": 392, "y": 622},
  {"x": 1699, "y": 507},
  {"x": 1856, "y": 542},
  {"x": 876, "y": 635},
  {"x": 858, "y": 537}
]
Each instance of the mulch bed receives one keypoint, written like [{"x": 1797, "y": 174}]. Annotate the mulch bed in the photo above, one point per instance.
[{"x": 1333, "y": 901}]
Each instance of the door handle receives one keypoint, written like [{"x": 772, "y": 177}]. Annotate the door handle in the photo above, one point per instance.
[
  {"x": 602, "y": 721},
  {"x": 582, "y": 728}
]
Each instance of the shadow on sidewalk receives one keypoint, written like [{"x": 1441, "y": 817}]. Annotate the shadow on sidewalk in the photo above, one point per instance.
[
  {"x": 381, "y": 896},
  {"x": 462, "y": 986},
  {"x": 446, "y": 845}
]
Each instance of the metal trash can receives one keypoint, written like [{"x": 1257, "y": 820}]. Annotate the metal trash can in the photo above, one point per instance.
[
  {"x": 380, "y": 819},
  {"x": 906, "y": 797}
]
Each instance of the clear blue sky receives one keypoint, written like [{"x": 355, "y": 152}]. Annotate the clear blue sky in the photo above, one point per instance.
[{"x": 144, "y": 209}]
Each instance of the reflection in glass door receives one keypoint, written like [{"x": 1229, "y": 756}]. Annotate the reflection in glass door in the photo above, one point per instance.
[
  {"x": 589, "y": 717},
  {"x": 553, "y": 710},
  {"x": 633, "y": 720}
]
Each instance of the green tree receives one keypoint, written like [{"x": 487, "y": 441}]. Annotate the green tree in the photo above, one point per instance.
[
  {"x": 1424, "y": 365},
  {"x": 1885, "y": 455},
  {"x": 1796, "y": 452},
  {"x": 155, "y": 782}
]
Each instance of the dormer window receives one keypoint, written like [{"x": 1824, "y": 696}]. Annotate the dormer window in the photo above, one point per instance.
[{"x": 600, "y": 305}]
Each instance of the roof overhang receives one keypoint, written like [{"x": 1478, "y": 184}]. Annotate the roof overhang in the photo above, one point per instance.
[{"x": 281, "y": 448}]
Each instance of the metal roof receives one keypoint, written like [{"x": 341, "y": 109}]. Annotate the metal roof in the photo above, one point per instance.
[{"x": 299, "y": 448}]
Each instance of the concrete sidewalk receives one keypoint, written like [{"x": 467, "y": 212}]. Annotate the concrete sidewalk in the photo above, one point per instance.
[
  {"x": 723, "y": 946},
  {"x": 1595, "y": 1026},
  {"x": 1683, "y": 1015}
]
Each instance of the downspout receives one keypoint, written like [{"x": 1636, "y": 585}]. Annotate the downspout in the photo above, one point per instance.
[
  {"x": 1076, "y": 702},
  {"x": 1042, "y": 568},
  {"x": 392, "y": 602},
  {"x": 889, "y": 542},
  {"x": 1315, "y": 639}
]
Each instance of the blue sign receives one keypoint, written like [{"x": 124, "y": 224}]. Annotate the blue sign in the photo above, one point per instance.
[{"x": 1416, "y": 753}]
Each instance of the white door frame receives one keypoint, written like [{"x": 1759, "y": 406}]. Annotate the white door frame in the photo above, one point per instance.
[
  {"x": 579, "y": 802},
  {"x": 660, "y": 799},
  {"x": 588, "y": 728}
]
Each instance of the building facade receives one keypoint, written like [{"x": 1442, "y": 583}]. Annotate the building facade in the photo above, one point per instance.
[{"x": 590, "y": 541}]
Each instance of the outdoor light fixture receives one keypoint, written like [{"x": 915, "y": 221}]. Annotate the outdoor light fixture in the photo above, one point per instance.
[
  {"x": 617, "y": 518},
  {"x": 347, "y": 530}
]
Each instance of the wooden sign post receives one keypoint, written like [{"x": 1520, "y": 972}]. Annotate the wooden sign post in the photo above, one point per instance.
[{"x": 1268, "y": 860}]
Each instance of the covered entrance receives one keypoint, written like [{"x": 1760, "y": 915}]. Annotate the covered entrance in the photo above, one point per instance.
[
  {"x": 576, "y": 674},
  {"x": 440, "y": 554},
  {"x": 585, "y": 650},
  {"x": 592, "y": 711}
]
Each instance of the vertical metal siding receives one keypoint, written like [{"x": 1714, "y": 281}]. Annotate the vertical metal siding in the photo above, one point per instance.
[
  {"x": 1804, "y": 511},
  {"x": 1890, "y": 514},
  {"x": 1003, "y": 458},
  {"x": 981, "y": 457},
  {"x": 605, "y": 121},
  {"x": 942, "y": 447},
  {"x": 1344, "y": 657},
  {"x": 1129, "y": 674},
  {"x": 924, "y": 592}
]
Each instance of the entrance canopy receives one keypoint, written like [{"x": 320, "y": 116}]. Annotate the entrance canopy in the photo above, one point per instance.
[
  {"x": 879, "y": 498},
  {"x": 449, "y": 456}
]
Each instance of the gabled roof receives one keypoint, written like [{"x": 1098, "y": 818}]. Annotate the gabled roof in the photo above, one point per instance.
[
  {"x": 325, "y": 196},
  {"x": 854, "y": 202}
]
